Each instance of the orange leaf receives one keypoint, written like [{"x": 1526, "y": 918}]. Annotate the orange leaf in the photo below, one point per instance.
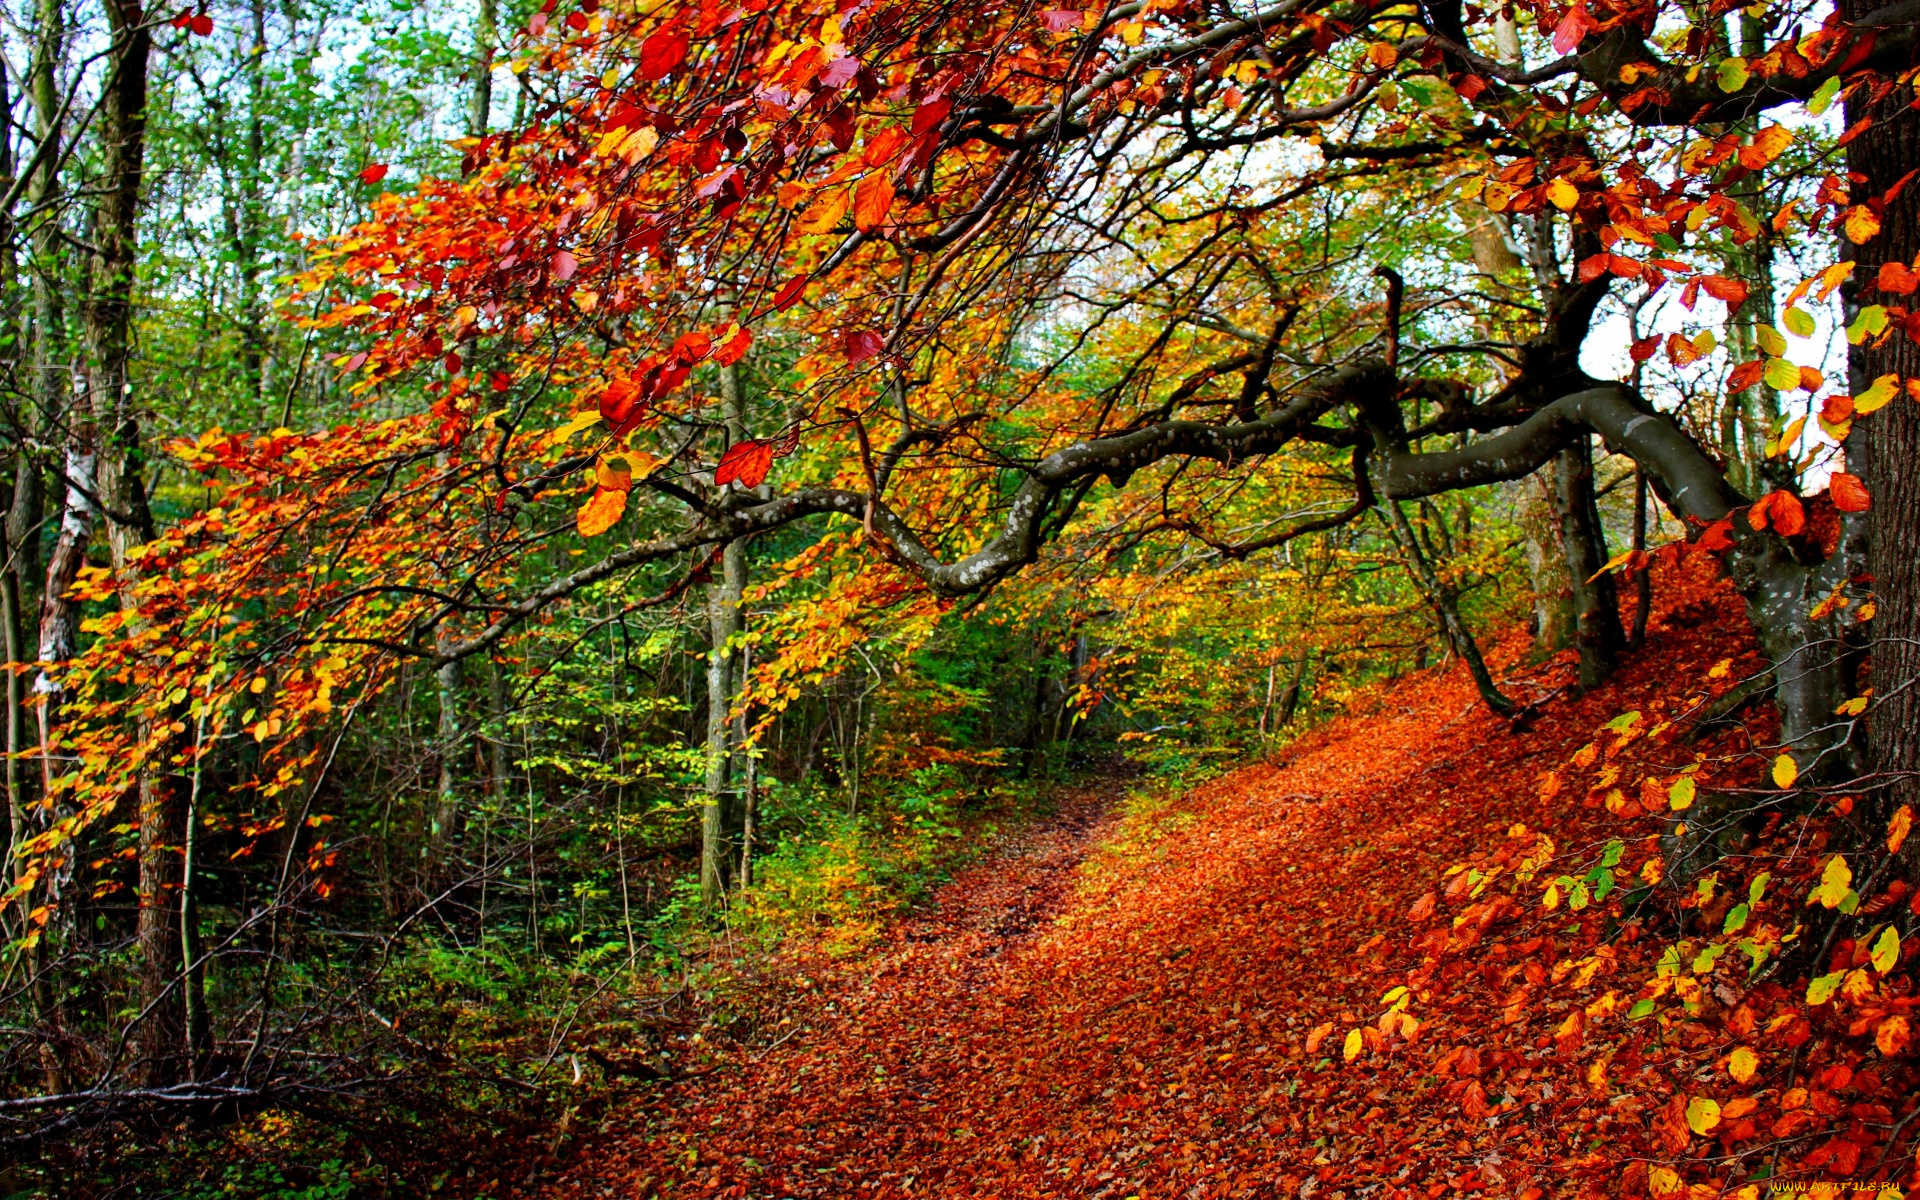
[
  {"x": 1849, "y": 494},
  {"x": 1897, "y": 278},
  {"x": 602, "y": 512},
  {"x": 871, "y": 201}
]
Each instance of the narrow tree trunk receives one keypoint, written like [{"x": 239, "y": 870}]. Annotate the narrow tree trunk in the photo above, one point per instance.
[
  {"x": 1596, "y": 602},
  {"x": 480, "y": 102},
  {"x": 1449, "y": 613},
  {"x": 1642, "y": 578},
  {"x": 723, "y": 623},
  {"x": 118, "y": 473}
]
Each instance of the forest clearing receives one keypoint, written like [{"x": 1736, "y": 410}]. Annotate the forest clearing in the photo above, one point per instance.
[{"x": 1311, "y": 598}]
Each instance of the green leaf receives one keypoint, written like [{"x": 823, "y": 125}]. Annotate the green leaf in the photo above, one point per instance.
[
  {"x": 1822, "y": 989},
  {"x": 1736, "y": 919},
  {"x": 1758, "y": 887},
  {"x": 1781, "y": 375},
  {"x": 1823, "y": 97},
  {"x": 1731, "y": 74},
  {"x": 1641, "y": 1010},
  {"x": 1799, "y": 322},
  {"x": 1610, "y": 857},
  {"x": 1770, "y": 340}
]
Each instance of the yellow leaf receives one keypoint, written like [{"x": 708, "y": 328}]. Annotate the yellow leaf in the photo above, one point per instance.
[
  {"x": 1731, "y": 74},
  {"x": 640, "y": 143},
  {"x": 1663, "y": 1181},
  {"x": 824, "y": 213},
  {"x": 1770, "y": 142},
  {"x": 1876, "y": 397},
  {"x": 1563, "y": 195},
  {"x": 1680, "y": 795},
  {"x": 1703, "y": 1115},
  {"x": 1742, "y": 1064},
  {"x": 601, "y": 513},
  {"x": 1835, "y": 882},
  {"x": 1351, "y": 1050},
  {"x": 1862, "y": 224},
  {"x": 1886, "y": 951},
  {"x": 581, "y": 420},
  {"x": 1785, "y": 771},
  {"x": 1799, "y": 322},
  {"x": 1898, "y": 827},
  {"x": 1822, "y": 989}
]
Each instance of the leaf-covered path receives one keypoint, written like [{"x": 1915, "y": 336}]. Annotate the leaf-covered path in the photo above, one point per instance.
[{"x": 1121, "y": 1005}]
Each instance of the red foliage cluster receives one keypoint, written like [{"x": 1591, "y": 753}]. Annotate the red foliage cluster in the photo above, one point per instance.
[{"x": 1280, "y": 989}]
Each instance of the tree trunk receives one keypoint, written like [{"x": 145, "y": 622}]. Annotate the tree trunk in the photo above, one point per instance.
[
  {"x": 119, "y": 484},
  {"x": 723, "y": 622},
  {"x": 1596, "y": 603},
  {"x": 1885, "y": 446},
  {"x": 480, "y": 102}
]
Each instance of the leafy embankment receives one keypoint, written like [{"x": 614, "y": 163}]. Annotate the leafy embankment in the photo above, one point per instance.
[{"x": 1286, "y": 982}]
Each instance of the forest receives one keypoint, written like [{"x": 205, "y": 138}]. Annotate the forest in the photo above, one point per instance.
[{"x": 1204, "y": 598}]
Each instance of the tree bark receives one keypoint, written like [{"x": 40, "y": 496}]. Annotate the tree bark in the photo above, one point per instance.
[
  {"x": 723, "y": 623},
  {"x": 1596, "y": 601},
  {"x": 1442, "y": 600},
  {"x": 118, "y": 471},
  {"x": 1885, "y": 446},
  {"x": 480, "y": 101}
]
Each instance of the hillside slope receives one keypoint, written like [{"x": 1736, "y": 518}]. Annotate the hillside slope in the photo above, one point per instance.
[{"x": 1197, "y": 997}]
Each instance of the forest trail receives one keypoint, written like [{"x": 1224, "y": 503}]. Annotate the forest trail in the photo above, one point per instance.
[{"x": 1119, "y": 1005}]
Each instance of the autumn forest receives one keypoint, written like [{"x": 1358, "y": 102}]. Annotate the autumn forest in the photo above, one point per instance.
[{"x": 897, "y": 598}]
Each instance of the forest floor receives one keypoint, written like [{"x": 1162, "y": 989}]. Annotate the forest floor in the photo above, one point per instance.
[{"x": 1133, "y": 999}]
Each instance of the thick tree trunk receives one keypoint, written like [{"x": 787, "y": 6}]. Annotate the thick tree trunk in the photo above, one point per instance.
[
  {"x": 1885, "y": 446},
  {"x": 1546, "y": 564},
  {"x": 1596, "y": 602}
]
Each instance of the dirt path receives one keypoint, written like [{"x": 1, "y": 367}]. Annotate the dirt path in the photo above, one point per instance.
[{"x": 1119, "y": 1006}]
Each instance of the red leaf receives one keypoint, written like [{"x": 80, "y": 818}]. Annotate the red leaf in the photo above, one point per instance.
[
  {"x": 621, "y": 406},
  {"x": 1572, "y": 28},
  {"x": 840, "y": 72},
  {"x": 1423, "y": 908},
  {"x": 373, "y": 173},
  {"x": 452, "y": 363},
  {"x": 1062, "y": 20},
  {"x": 790, "y": 293},
  {"x": 1717, "y": 536},
  {"x": 1745, "y": 376},
  {"x": 787, "y": 442},
  {"x": 934, "y": 111},
  {"x": 576, "y": 20},
  {"x": 564, "y": 264},
  {"x": 1849, "y": 494},
  {"x": 662, "y": 53},
  {"x": 202, "y": 25},
  {"x": 1643, "y": 349},
  {"x": 863, "y": 344},
  {"x": 501, "y": 381},
  {"x": 745, "y": 462},
  {"x": 733, "y": 347},
  {"x": 692, "y": 348},
  {"x": 1593, "y": 267},
  {"x": 183, "y": 19},
  {"x": 1733, "y": 291}
]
